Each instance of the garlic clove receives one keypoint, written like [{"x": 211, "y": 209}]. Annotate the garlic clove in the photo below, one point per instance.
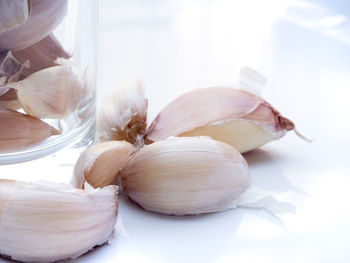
[
  {"x": 180, "y": 176},
  {"x": 46, "y": 222},
  {"x": 19, "y": 130},
  {"x": 99, "y": 165},
  {"x": 9, "y": 100},
  {"x": 124, "y": 114},
  {"x": 242, "y": 134},
  {"x": 41, "y": 55},
  {"x": 45, "y": 15},
  {"x": 202, "y": 111},
  {"x": 13, "y": 13},
  {"x": 49, "y": 93}
]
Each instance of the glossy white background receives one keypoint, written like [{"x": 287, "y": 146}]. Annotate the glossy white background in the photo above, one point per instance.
[{"x": 303, "y": 48}]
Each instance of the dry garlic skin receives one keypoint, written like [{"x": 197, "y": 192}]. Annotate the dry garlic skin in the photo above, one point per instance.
[
  {"x": 230, "y": 115},
  {"x": 181, "y": 176},
  {"x": 123, "y": 115},
  {"x": 46, "y": 222}
]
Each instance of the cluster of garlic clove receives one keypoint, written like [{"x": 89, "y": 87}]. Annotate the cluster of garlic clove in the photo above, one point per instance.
[
  {"x": 33, "y": 64},
  {"x": 202, "y": 169},
  {"x": 186, "y": 175}
]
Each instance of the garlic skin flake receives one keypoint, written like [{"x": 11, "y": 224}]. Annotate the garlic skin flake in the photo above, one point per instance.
[
  {"x": 188, "y": 175},
  {"x": 230, "y": 115},
  {"x": 124, "y": 114},
  {"x": 49, "y": 93},
  {"x": 18, "y": 130},
  {"x": 13, "y": 13},
  {"x": 45, "y": 16},
  {"x": 46, "y": 222},
  {"x": 100, "y": 164}
]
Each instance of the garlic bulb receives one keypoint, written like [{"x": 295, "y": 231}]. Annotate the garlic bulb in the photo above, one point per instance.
[
  {"x": 180, "y": 176},
  {"x": 49, "y": 93},
  {"x": 46, "y": 222},
  {"x": 44, "y": 16},
  {"x": 124, "y": 113},
  {"x": 236, "y": 117},
  {"x": 100, "y": 164},
  {"x": 41, "y": 55},
  {"x": 13, "y": 13},
  {"x": 18, "y": 130}
]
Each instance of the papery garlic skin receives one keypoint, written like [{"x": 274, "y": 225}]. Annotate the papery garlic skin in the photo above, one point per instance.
[
  {"x": 46, "y": 222},
  {"x": 188, "y": 175},
  {"x": 217, "y": 112},
  {"x": 45, "y": 16},
  {"x": 54, "y": 92},
  {"x": 123, "y": 115},
  {"x": 13, "y": 13},
  {"x": 18, "y": 130},
  {"x": 100, "y": 164}
]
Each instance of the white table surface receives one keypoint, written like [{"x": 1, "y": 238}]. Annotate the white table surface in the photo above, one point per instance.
[{"x": 303, "y": 48}]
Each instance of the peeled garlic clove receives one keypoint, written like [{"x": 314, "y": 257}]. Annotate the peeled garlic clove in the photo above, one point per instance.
[
  {"x": 230, "y": 115},
  {"x": 100, "y": 164},
  {"x": 182, "y": 176},
  {"x": 13, "y": 13},
  {"x": 46, "y": 222},
  {"x": 18, "y": 130},
  {"x": 124, "y": 113},
  {"x": 49, "y": 93},
  {"x": 41, "y": 55},
  {"x": 45, "y": 15}
]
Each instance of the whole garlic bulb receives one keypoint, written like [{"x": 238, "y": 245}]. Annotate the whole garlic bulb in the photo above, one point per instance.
[{"x": 180, "y": 176}]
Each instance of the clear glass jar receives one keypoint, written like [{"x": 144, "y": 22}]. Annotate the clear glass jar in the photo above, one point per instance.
[{"x": 47, "y": 82}]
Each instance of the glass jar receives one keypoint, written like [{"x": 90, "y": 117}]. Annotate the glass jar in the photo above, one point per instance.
[{"x": 47, "y": 83}]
